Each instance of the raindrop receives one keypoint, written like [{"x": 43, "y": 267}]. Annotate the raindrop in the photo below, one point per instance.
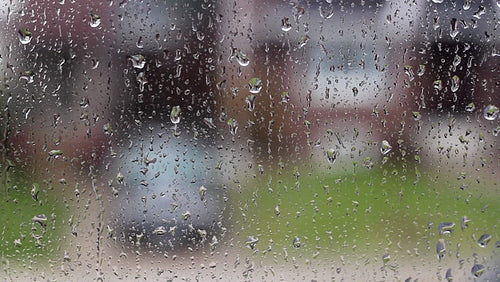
[
  {"x": 437, "y": 84},
  {"x": 464, "y": 222},
  {"x": 440, "y": 249},
  {"x": 445, "y": 227},
  {"x": 55, "y": 153},
  {"x": 186, "y": 215},
  {"x": 491, "y": 112},
  {"x": 141, "y": 79},
  {"x": 233, "y": 126},
  {"x": 242, "y": 58},
  {"x": 417, "y": 115},
  {"x": 449, "y": 276},
  {"x": 456, "y": 61},
  {"x": 296, "y": 242},
  {"x": 496, "y": 131},
  {"x": 175, "y": 115},
  {"x": 203, "y": 192},
  {"x": 331, "y": 155},
  {"x": 438, "y": 1},
  {"x": 25, "y": 36},
  {"x": 355, "y": 91},
  {"x": 421, "y": 70},
  {"x": 40, "y": 219},
  {"x": 161, "y": 230},
  {"x": 251, "y": 241},
  {"x": 484, "y": 240},
  {"x": 470, "y": 107},
  {"x": 481, "y": 10},
  {"x": 386, "y": 258},
  {"x": 455, "y": 81},
  {"x": 303, "y": 41},
  {"x": 285, "y": 25},
  {"x": 478, "y": 270},
  {"x": 119, "y": 177},
  {"x": 467, "y": 5},
  {"x": 250, "y": 102},
  {"x": 35, "y": 190},
  {"x": 255, "y": 85},
  {"x": 277, "y": 211},
  {"x": 285, "y": 97},
  {"x": 209, "y": 122},
  {"x": 453, "y": 28},
  {"x": 409, "y": 71},
  {"x": 95, "y": 20},
  {"x": 138, "y": 61},
  {"x": 28, "y": 76},
  {"x": 385, "y": 147}
]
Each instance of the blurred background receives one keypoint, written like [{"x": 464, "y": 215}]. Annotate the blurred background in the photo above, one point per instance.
[{"x": 250, "y": 140}]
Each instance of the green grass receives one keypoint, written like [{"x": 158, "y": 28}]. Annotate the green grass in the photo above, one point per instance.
[
  {"x": 17, "y": 208},
  {"x": 368, "y": 212}
]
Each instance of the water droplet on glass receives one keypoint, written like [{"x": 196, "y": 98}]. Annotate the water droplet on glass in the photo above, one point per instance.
[
  {"x": 409, "y": 72},
  {"x": 478, "y": 270},
  {"x": 481, "y": 10},
  {"x": 491, "y": 112},
  {"x": 29, "y": 76},
  {"x": 386, "y": 258},
  {"x": 209, "y": 122},
  {"x": 303, "y": 41},
  {"x": 138, "y": 61},
  {"x": 35, "y": 190},
  {"x": 445, "y": 227},
  {"x": 251, "y": 241},
  {"x": 467, "y": 5},
  {"x": 440, "y": 249},
  {"x": 464, "y": 222},
  {"x": 40, "y": 219},
  {"x": 95, "y": 20},
  {"x": 496, "y": 131},
  {"x": 470, "y": 107},
  {"x": 285, "y": 97},
  {"x": 277, "y": 211},
  {"x": 285, "y": 25},
  {"x": 455, "y": 81},
  {"x": 438, "y": 1},
  {"x": 355, "y": 91},
  {"x": 25, "y": 36},
  {"x": 233, "y": 126},
  {"x": 296, "y": 242},
  {"x": 255, "y": 85},
  {"x": 55, "y": 153},
  {"x": 331, "y": 155},
  {"x": 161, "y": 230},
  {"x": 421, "y": 70},
  {"x": 453, "y": 28},
  {"x": 141, "y": 79},
  {"x": 203, "y": 192},
  {"x": 242, "y": 58},
  {"x": 250, "y": 102},
  {"x": 437, "y": 84},
  {"x": 416, "y": 115},
  {"x": 84, "y": 102},
  {"x": 186, "y": 215},
  {"x": 449, "y": 276},
  {"x": 484, "y": 240},
  {"x": 175, "y": 117},
  {"x": 385, "y": 147}
]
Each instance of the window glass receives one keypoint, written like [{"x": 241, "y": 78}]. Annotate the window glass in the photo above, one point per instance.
[{"x": 250, "y": 140}]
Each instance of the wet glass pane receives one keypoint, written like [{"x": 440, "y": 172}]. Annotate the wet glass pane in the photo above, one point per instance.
[{"x": 250, "y": 140}]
